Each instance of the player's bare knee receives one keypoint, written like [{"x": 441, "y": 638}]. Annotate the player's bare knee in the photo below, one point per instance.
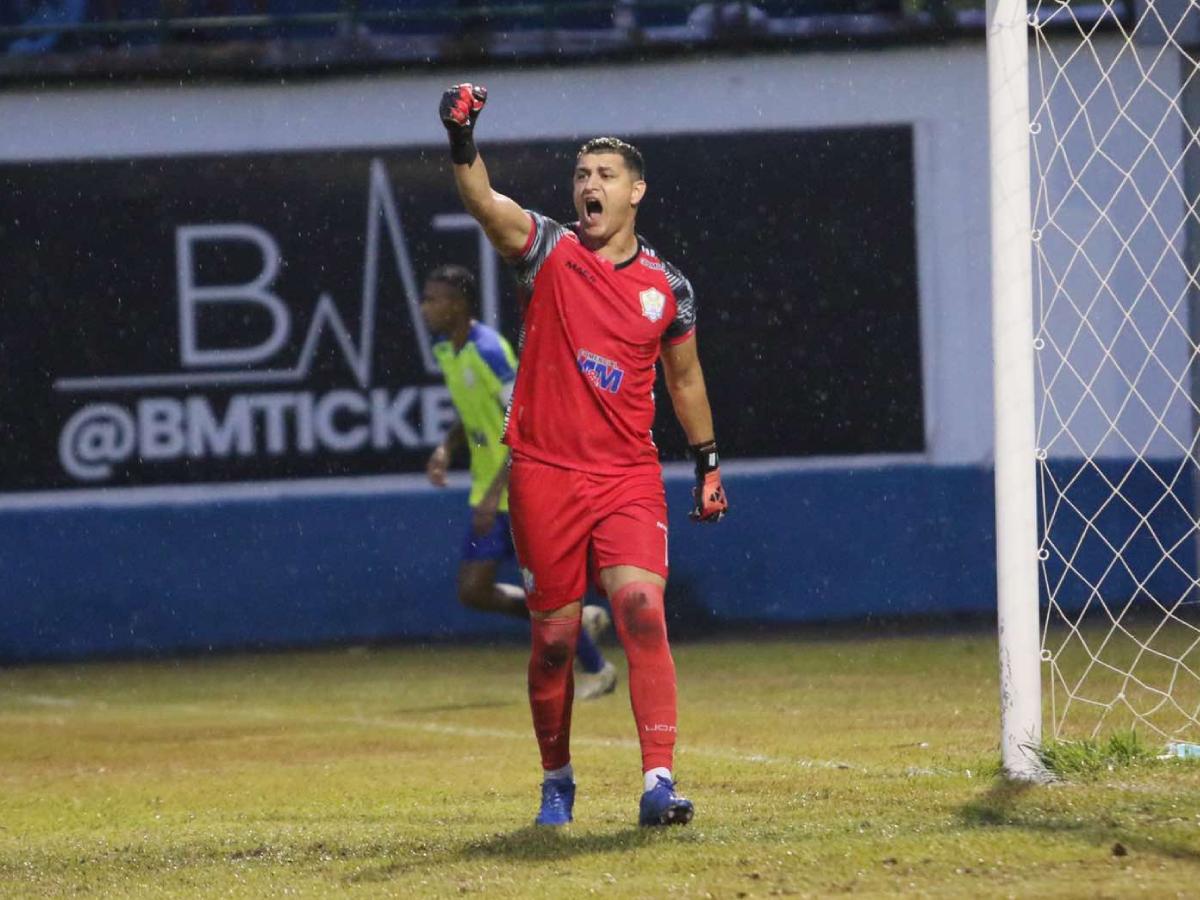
[{"x": 475, "y": 593}]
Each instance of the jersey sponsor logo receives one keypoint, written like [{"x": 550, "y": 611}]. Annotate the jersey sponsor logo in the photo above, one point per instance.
[
  {"x": 604, "y": 373},
  {"x": 653, "y": 303},
  {"x": 582, "y": 270},
  {"x": 652, "y": 264}
]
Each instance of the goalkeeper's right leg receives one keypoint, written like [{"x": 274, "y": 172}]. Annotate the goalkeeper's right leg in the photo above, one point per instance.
[{"x": 551, "y": 690}]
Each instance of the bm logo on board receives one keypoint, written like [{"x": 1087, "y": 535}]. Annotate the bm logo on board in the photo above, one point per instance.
[{"x": 257, "y": 401}]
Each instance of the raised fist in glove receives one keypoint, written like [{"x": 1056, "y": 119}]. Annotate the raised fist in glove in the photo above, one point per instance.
[
  {"x": 459, "y": 109},
  {"x": 708, "y": 495}
]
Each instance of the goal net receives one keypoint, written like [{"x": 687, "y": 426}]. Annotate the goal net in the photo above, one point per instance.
[{"x": 1113, "y": 117}]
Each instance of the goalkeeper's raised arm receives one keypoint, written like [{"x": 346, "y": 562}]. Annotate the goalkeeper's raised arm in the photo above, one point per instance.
[{"x": 505, "y": 223}]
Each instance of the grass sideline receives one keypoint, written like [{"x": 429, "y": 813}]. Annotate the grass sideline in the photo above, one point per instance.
[{"x": 856, "y": 766}]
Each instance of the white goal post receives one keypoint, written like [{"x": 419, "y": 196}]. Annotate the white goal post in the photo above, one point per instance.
[
  {"x": 1013, "y": 394},
  {"x": 1095, "y": 188}
]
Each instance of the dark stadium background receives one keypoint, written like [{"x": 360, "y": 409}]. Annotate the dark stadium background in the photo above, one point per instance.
[{"x": 801, "y": 246}]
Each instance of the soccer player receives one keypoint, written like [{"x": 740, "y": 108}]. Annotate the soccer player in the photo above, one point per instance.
[
  {"x": 479, "y": 368},
  {"x": 586, "y": 484}
]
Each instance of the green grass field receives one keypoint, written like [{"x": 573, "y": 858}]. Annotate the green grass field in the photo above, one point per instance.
[{"x": 818, "y": 767}]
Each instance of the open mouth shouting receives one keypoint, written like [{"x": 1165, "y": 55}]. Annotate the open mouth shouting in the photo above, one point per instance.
[{"x": 593, "y": 208}]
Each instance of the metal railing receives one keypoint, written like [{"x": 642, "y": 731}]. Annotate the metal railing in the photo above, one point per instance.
[
  {"x": 354, "y": 34},
  {"x": 347, "y": 16}
]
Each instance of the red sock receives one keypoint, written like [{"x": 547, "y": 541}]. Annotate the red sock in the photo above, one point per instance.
[
  {"x": 552, "y": 687},
  {"x": 642, "y": 627}
]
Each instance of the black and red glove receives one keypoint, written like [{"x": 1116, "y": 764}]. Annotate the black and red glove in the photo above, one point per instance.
[
  {"x": 459, "y": 109},
  {"x": 708, "y": 495}
]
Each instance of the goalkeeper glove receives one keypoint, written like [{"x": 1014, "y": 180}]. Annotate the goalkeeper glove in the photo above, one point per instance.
[
  {"x": 459, "y": 109},
  {"x": 708, "y": 494}
]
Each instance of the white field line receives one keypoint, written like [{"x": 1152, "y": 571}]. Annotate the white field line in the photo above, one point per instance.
[
  {"x": 263, "y": 714},
  {"x": 48, "y": 700},
  {"x": 622, "y": 743}
]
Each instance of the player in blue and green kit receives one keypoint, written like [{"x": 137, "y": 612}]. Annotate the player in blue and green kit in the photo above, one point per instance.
[{"x": 480, "y": 369}]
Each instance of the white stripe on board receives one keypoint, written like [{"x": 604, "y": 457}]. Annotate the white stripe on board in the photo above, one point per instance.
[{"x": 384, "y": 485}]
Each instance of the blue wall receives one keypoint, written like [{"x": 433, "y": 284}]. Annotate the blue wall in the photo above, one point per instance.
[
  {"x": 1117, "y": 531},
  {"x": 799, "y": 546},
  {"x": 818, "y": 545}
]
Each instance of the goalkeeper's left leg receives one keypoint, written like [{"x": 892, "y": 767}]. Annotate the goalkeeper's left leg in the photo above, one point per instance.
[{"x": 641, "y": 625}]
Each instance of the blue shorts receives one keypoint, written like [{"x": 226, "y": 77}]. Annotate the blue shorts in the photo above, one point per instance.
[{"x": 495, "y": 546}]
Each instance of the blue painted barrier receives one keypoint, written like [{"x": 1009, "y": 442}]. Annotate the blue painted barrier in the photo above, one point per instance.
[{"x": 800, "y": 546}]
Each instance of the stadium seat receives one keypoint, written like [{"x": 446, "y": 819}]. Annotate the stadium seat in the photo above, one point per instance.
[
  {"x": 460, "y": 15},
  {"x": 427, "y": 16},
  {"x": 302, "y": 7},
  {"x": 48, "y": 12},
  {"x": 653, "y": 15}
]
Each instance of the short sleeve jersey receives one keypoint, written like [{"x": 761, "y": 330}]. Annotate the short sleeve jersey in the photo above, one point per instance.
[
  {"x": 480, "y": 379},
  {"x": 591, "y": 337}
]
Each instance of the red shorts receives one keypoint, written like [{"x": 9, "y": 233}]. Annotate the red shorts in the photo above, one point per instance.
[{"x": 563, "y": 520}]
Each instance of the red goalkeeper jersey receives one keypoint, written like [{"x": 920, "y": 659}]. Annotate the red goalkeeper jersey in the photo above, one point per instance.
[{"x": 591, "y": 336}]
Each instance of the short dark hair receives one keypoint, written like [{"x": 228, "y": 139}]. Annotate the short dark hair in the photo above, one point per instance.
[
  {"x": 631, "y": 154},
  {"x": 459, "y": 278}
]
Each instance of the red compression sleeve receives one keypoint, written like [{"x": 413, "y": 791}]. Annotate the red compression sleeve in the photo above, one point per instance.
[
  {"x": 642, "y": 627},
  {"x": 552, "y": 687}
]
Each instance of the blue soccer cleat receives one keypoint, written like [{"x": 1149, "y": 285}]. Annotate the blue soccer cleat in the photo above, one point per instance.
[
  {"x": 662, "y": 806},
  {"x": 558, "y": 799}
]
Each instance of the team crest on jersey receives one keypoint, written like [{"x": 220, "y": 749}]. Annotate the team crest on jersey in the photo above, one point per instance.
[{"x": 653, "y": 304}]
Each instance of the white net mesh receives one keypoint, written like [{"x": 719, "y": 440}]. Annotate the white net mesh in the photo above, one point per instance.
[{"x": 1115, "y": 207}]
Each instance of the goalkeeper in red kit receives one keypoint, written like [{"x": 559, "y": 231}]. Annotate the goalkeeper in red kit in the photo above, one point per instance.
[{"x": 585, "y": 487}]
